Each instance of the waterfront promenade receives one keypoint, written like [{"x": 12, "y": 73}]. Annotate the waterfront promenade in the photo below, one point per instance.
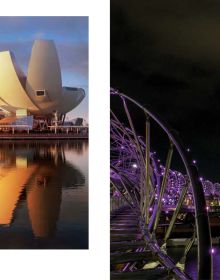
[{"x": 42, "y": 135}]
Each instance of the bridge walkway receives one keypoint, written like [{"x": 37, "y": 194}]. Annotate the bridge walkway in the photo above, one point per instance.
[{"x": 129, "y": 252}]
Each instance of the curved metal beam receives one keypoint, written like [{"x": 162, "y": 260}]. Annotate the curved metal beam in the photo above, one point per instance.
[{"x": 202, "y": 219}]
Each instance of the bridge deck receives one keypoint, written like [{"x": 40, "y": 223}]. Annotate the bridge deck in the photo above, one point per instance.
[{"x": 128, "y": 247}]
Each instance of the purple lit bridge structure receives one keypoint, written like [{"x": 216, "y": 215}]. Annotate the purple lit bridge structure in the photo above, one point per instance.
[{"x": 152, "y": 202}]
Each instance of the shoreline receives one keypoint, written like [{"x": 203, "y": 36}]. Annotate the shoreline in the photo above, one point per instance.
[{"x": 43, "y": 136}]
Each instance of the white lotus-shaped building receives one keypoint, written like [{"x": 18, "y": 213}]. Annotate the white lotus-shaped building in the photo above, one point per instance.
[{"x": 40, "y": 93}]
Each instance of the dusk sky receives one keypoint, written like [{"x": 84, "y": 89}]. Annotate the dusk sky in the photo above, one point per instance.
[{"x": 70, "y": 35}]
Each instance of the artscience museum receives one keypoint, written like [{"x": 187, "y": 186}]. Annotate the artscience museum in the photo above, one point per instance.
[{"x": 39, "y": 95}]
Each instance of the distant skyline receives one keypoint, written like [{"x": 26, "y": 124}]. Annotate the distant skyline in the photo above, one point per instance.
[{"x": 70, "y": 35}]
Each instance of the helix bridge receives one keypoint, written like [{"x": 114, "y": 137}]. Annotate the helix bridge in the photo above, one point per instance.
[{"x": 153, "y": 203}]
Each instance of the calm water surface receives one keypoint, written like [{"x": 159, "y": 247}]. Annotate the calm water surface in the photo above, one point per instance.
[{"x": 44, "y": 194}]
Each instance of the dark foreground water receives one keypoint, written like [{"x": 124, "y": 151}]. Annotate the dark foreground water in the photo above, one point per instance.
[{"x": 44, "y": 194}]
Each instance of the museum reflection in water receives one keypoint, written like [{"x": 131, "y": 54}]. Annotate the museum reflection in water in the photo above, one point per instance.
[{"x": 44, "y": 194}]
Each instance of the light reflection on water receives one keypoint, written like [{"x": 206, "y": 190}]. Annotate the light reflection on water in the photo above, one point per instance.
[{"x": 44, "y": 194}]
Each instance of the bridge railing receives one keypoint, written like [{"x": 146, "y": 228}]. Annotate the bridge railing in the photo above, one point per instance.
[
  {"x": 140, "y": 177},
  {"x": 118, "y": 201}
]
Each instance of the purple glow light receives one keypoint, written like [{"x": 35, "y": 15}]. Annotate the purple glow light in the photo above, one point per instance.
[
  {"x": 171, "y": 189},
  {"x": 128, "y": 162},
  {"x": 116, "y": 194}
]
